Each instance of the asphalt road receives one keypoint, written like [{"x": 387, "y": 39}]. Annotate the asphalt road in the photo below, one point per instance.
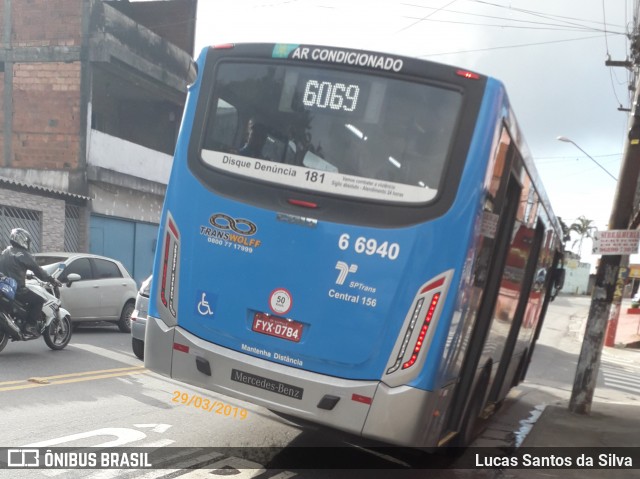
[{"x": 97, "y": 393}]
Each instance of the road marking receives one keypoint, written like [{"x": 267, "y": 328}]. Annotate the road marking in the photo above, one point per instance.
[
  {"x": 70, "y": 378},
  {"x": 185, "y": 464},
  {"x": 122, "y": 435},
  {"x": 108, "y": 353},
  {"x": 620, "y": 376},
  {"x": 85, "y": 373},
  {"x": 154, "y": 427}
]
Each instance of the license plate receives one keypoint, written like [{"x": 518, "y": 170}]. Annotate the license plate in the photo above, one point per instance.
[{"x": 278, "y": 327}]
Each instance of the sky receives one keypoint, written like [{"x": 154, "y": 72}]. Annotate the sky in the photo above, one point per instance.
[{"x": 550, "y": 54}]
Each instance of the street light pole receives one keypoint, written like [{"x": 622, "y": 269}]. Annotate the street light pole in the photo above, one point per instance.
[{"x": 568, "y": 140}]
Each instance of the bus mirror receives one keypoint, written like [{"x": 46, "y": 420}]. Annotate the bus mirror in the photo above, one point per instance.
[{"x": 192, "y": 73}]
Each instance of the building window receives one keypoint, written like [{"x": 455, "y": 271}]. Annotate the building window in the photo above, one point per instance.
[
  {"x": 72, "y": 228},
  {"x": 11, "y": 217}
]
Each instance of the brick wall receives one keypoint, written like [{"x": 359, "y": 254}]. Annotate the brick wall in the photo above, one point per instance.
[
  {"x": 46, "y": 115},
  {"x": 46, "y": 23}
]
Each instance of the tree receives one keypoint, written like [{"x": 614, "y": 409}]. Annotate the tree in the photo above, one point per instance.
[
  {"x": 566, "y": 233},
  {"x": 584, "y": 228}
]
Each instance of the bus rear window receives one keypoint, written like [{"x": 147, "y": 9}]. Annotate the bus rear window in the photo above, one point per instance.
[{"x": 331, "y": 131}]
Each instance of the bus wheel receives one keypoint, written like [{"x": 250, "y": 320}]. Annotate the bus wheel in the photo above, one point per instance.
[
  {"x": 517, "y": 378},
  {"x": 472, "y": 422}
]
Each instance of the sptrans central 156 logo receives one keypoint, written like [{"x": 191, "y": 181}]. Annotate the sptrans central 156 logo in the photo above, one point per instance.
[{"x": 225, "y": 230}]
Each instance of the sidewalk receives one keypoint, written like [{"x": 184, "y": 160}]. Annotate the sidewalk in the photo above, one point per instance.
[
  {"x": 628, "y": 330},
  {"x": 609, "y": 425}
]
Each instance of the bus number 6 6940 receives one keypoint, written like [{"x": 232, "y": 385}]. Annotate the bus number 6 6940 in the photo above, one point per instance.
[{"x": 370, "y": 246}]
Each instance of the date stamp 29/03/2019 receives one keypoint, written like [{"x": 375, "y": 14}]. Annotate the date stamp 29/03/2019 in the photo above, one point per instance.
[{"x": 209, "y": 405}]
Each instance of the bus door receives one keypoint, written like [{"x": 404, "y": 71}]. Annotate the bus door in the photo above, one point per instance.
[
  {"x": 516, "y": 280},
  {"x": 548, "y": 297},
  {"x": 507, "y": 192}
]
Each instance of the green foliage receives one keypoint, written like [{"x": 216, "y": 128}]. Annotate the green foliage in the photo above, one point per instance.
[
  {"x": 584, "y": 228},
  {"x": 566, "y": 234}
]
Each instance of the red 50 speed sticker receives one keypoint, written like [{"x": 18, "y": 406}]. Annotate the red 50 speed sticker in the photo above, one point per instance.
[{"x": 280, "y": 301}]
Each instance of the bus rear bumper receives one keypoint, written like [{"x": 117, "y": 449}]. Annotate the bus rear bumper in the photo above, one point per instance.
[
  {"x": 275, "y": 386},
  {"x": 404, "y": 416},
  {"x": 399, "y": 415}
]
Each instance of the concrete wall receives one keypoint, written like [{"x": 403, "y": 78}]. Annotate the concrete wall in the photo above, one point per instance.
[
  {"x": 180, "y": 30},
  {"x": 125, "y": 203},
  {"x": 55, "y": 180},
  {"x": 110, "y": 152},
  {"x": 576, "y": 277}
]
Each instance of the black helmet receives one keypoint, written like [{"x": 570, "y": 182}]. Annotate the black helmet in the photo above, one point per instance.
[{"x": 20, "y": 238}]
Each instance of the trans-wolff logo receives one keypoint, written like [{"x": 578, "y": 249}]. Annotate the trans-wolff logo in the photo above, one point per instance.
[
  {"x": 233, "y": 232},
  {"x": 238, "y": 225}
]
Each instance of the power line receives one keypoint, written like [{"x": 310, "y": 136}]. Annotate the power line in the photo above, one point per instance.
[
  {"x": 554, "y": 159},
  {"x": 537, "y": 14},
  {"x": 549, "y": 27},
  {"x": 509, "y": 46},
  {"x": 604, "y": 24},
  {"x": 515, "y": 20},
  {"x": 427, "y": 16},
  {"x": 595, "y": 156}
]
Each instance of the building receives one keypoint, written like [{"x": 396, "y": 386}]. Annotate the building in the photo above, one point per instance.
[
  {"x": 91, "y": 96},
  {"x": 577, "y": 275}
]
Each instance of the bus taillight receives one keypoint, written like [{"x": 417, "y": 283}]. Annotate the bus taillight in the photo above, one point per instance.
[
  {"x": 407, "y": 336},
  {"x": 168, "y": 280},
  {"x": 302, "y": 203},
  {"x": 417, "y": 326},
  {"x": 423, "y": 331},
  {"x": 467, "y": 74}
]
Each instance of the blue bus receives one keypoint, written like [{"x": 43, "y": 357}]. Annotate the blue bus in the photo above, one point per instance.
[{"x": 354, "y": 239}]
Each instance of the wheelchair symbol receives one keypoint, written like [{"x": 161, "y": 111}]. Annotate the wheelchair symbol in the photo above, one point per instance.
[{"x": 203, "y": 306}]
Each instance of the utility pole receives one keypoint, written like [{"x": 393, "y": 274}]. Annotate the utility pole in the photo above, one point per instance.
[{"x": 607, "y": 274}]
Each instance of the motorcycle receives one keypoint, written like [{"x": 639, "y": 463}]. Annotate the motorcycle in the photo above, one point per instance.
[{"x": 54, "y": 325}]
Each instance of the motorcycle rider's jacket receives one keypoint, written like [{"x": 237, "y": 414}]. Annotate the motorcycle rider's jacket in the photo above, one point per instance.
[{"x": 15, "y": 261}]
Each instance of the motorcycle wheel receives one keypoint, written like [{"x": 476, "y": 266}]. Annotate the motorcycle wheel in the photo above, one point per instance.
[
  {"x": 4, "y": 338},
  {"x": 58, "y": 334}
]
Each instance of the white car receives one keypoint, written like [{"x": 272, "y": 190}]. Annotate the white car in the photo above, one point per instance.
[
  {"x": 105, "y": 291},
  {"x": 139, "y": 318}
]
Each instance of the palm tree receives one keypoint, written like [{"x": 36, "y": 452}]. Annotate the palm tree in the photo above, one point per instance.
[{"x": 584, "y": 228}]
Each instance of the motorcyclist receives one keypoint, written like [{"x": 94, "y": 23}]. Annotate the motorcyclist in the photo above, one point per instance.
[{"x": 15, "y": 260}]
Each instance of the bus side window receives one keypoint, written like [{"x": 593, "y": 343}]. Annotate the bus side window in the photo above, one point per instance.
[{"x": 222, "y": 128}]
